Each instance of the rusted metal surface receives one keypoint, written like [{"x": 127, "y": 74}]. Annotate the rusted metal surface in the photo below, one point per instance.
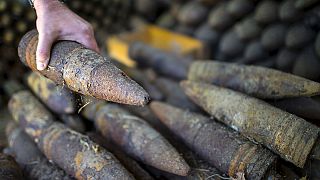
[
  {"x": 256, "y": 81},
  {"x": 9, "y": 169},
  {"x": 84, "y": 71},
  {"x": 72, "y": 151},
  {"x": 164, "y": 63},
  {"x": 129, "y": 163},
  {"x": 57, "y": 98},
  {"x": 222, "y": 147},
  {"x": 137, "y": 138},
  {"x": 35, "y": 165},
  {"x": 285, "y": 134}
]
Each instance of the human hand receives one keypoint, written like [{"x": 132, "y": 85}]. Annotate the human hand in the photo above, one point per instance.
[{"x": 56, "y": 22}]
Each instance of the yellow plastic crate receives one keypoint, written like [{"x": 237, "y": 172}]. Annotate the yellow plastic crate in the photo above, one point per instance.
[{"x": 157, "y": 37}]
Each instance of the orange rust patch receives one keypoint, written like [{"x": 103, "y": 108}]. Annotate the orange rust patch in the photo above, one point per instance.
[
  {"x": 78, "y": 160},
  {"x": 30, "y": 53},
  {"x": 234, "y": 163},
  {"x": 48, "y": 142}
]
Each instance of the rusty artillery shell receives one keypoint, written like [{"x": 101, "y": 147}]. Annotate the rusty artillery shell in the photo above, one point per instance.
[
  {"x": 260, "y": 82},
  {"x": 285, "y": 60},
  {"x": 255, "y": 52},
  {"x": 192, "y": 13},
  {"x": 71, "y": 151},
  {"x": 289, "y": 13},
  {"x": 304, "y": 107},
  {"x": 74, "y": 122},
  {"x": 299, "y": 36},
  {"x": 164, "y": 63},
  {"x": 174, "y": 94},
  {"x": 285, "y": 134},
  {"x": 57, "y": 98},
  {"x": 35, "y": 165},
  {"x": 266, "y": 12},
  {"x": 239, "y": 8},
  {"x": 219, "y": 19},
  {"x": 231, "y": 45},
  {"x": 273, "y": 37},
  {"x": 222, "y": 147},
  {"x": 84, "y": 71},
  {"x": 248, "y": 29},
  {"x": 137, "y": 138},
  {"x": 307, "y": 64},
  {"x": 129, "y": 163},
  {"x": 9, "y": 169}
]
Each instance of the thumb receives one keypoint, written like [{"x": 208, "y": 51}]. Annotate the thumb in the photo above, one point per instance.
[{"x": 43, "y": 51}]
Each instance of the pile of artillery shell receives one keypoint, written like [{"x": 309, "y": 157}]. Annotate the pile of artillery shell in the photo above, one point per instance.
[
  {"x": 222, "y": 147},
  {"x": 77, "y": 154}
]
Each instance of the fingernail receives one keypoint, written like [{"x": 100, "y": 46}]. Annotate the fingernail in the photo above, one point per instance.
[{"x": 40, "y": 66}]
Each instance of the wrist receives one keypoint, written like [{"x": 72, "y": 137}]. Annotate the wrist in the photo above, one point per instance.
[{"x": 45, "y": 4}]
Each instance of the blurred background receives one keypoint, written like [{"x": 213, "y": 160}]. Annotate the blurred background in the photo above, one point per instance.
[{"x": 282, "y": 35}]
